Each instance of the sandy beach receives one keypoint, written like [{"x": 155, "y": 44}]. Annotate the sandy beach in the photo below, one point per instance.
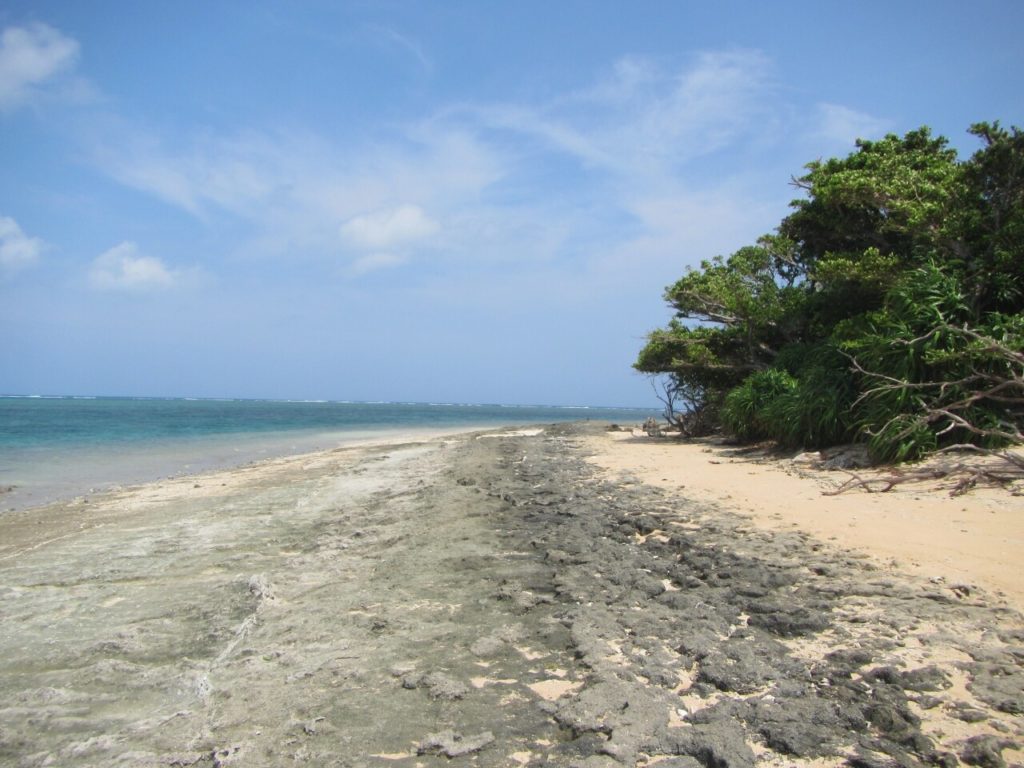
[
  {"x": 918, "y": 528},
  {"x": 551, "y": 596}
]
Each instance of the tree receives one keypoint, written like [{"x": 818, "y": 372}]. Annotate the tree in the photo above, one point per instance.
[
  {"x": 731, "y": 318},
  {"x": 991, "y": 216},
  {"x": 930, "y": 376},
  {"x": 868, "y": 312}
]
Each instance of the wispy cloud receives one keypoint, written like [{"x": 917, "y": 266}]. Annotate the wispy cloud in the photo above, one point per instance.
[
  {"x": 17, "y": 250},
  {"x": 305, "y": 196},
  {"x": 374, "y": 262},
  {"x": 125, "y": 268},
  {"x": 232, "y": 173},
  {"x": 677, "y": 116},
  {"x": 29, "y": 57},
  {"x": 407, "y": 45},
  {"x": 843, "y": 125},
  {"x": 644, "y": 118},
  {"x": 641, "y": 120},
  {"x": 578, "y": 178}
]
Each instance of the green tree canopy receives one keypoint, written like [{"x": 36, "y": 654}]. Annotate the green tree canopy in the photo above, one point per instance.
[{"x": 848, "y": 299}]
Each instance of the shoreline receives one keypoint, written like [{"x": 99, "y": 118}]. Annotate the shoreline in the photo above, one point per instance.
[
  {"x": 973, "y": 541},
  {"x": 118, "y": 498},
  {"x": 63, "y": 447},
  {"x": 493, "y": 594},
  {"x": 110, "y": 469}
]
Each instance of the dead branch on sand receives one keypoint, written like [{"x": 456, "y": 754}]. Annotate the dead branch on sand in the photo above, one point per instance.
[{"x": 994, "y": 468}]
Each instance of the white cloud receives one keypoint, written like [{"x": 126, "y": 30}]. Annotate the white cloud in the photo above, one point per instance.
[
  {"x": 646, "y": 120},
  {"x": 577, "y": 180},
  {"x": 389, "y": 228},
  {"x": 124, "y": 268},
  {"x": 703, "y": 107},
  {"x": 844, "y": 126},
  {"x": 643, "y": 121},
  {"x": 694, "y": 225},
  {"x": 376, "y": 261},
  {"x": 17, "y": 250},
  {"x": 235, "y": 174},
  {"x": 299, "y": 190},
  {"x": 29, "y": 56},
  {"x": 557, "y": 134},
  {"x": 630, "y": 75}
]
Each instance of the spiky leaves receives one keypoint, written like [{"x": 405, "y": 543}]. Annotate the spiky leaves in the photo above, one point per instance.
[{"x": 888, "y": 304}]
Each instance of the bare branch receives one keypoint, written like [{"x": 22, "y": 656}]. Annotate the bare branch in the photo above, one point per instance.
[
  {"x": 695, "y": 418},
  {"x": 946, "y": 404},
  {"x": 1003, "y": 469}
]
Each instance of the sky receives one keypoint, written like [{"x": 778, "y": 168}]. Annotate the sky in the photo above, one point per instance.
[{"x": 458, "y": 201}]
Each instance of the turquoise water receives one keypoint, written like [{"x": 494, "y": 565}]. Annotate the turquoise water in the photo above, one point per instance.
[{"x": 52, "y": 448}]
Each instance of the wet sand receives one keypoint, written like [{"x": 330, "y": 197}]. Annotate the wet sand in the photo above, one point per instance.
[{"x": 491, "y": 599}]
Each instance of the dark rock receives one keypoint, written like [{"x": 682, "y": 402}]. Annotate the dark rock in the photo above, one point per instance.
[
  {"x": 986, "y": 751},
  {"x": 697, "y": 644},
  {"x": 929, "y": 678},
  {"x": 805, "y": 728},
  {"x": 660, "y": 675},
  {"x": 438, "y": 685},
  {"x": 727, "y": 709},
  {"x": 924, "y": 701},
  {"x": 737, "y": 666},
  {"x": 944, "y": 760},
  {"x": 628, "y": 713},
  {"x": 895, "y": 723},
  {"x": 644, "y": 524},
  {"x": 487, "y": 646},
  {"x": 452, "y": 744},
  {"x": 791, "y": 623},
  {"x": 560, "y": 557},
  {"x": 899, "y": 757},
  {"x": 720, "y": 744},
  {"x": 680, "y": 762},
  {"x": 1000, "y": 684},
  {"x": 842, "y": 664},
  {"x": 866, "y": 759},
  {"x": 969, "y": 714}
]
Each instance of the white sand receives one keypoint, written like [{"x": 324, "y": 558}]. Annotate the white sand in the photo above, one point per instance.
[{"x": 976, "y": 539}]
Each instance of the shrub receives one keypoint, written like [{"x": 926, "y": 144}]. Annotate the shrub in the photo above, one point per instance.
[
  {"x": 816, "y": 412},
  {"x": 746, "y": 408}
]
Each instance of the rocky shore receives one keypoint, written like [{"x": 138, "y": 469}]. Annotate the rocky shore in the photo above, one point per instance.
[{"x": 490, "y": 599}]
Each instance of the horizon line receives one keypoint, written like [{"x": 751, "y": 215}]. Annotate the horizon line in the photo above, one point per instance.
[{"x": 314, "y": 401}]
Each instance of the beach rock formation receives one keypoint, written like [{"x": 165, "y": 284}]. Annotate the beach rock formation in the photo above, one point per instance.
[{"x": 489, "y": 600}]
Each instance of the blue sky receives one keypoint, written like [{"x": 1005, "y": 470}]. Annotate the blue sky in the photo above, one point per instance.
[{"x": 446, "y": 201}]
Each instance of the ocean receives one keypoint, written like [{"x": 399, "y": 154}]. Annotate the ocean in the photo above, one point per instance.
[{"x": 54, "y": 448}]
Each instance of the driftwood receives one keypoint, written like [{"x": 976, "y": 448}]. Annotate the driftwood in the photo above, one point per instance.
[
  {"x": 994, "y": 468},
  {"x": 993, "y": 373},
  {"x": 946, "y": 404}
]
